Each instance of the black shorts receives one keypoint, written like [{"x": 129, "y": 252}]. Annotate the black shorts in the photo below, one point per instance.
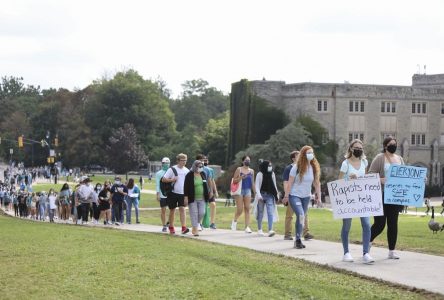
[
  {"x": 175, "y": 200},
  {"x": 212, "y": 199},
  {"x": 163, "y": 202}
]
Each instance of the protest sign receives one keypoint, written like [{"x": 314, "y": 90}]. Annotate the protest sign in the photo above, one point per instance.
[
  {"x": 361, "y": 197},
  {"x": 405, "y": 185}
]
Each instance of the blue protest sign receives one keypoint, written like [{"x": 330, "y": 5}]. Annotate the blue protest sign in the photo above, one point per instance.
[{"x": 405, "y": 185}]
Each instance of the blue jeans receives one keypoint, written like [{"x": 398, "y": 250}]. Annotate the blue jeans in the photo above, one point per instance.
[
  {"x": 42, "y": 208},
  {"x": 129, "y": 203},
  {"x": 268, "y": 200},
  {"x": 366, "y": 232},
  {"x": 300, "y": 207}
]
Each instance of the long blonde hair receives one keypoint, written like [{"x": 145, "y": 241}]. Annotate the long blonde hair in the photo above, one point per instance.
[
  {"x": 349, "y": 152},
  {"x": 302, "y": 164}
]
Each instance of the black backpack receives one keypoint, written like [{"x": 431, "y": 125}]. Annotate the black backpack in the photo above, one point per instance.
[{"x": 167, "y": 187}]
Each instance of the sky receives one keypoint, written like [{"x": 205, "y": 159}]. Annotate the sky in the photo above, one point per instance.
[{"x": 69, "y": 44}]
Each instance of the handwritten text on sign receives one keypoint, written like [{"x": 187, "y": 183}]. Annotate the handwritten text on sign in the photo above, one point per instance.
[
  {"x": 405, "y": 185},
  {"x": 361, "y": 197}
]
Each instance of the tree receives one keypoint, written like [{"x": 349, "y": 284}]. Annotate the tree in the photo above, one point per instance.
[
  {"x": 214, "y": 139},
  {"x": 124, "y": 152}
]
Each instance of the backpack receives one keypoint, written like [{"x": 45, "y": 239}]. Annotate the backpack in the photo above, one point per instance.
[{"x": 167, "y": 187}]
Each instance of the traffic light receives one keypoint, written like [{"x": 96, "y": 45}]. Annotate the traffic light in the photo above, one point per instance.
[{"x": 20, "y": 141}]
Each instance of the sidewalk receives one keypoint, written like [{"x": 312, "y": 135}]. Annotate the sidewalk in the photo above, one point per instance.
[{"x": 417, "y": 270}]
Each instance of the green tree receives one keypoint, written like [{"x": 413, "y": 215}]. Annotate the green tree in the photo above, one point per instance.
[
  {"x": 124, "y": 153},
  {"x": 214, "y": 139}
]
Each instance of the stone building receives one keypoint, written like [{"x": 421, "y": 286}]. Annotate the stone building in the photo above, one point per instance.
[{"x": 414, "y": 114}]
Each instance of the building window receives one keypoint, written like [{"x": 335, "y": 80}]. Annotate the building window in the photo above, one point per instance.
[
  {"x": 322, "y": 105},
  {"x": 418, "y": 139},
  {"x": 387, "y": 134},
  {"x": 441, "y": 139},
  {"x": 388, "y": 107},
  {"x": 419, "y": 108},
  {"x": 356, "y": 106},
  {"x": 355, "y": 135}
]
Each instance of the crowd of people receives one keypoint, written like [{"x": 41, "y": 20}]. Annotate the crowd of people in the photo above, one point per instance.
[{"x": 178, "y": 187}]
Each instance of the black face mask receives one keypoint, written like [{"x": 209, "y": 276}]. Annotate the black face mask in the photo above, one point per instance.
[
  {"x": 246, "y": 163},
  {"x": 391, "y": 148},
  {"x": 205, "y": 164},
  {"x": 357, "y": 152}
]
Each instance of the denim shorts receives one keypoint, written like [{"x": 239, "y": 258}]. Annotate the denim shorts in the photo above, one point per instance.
[{"x": 246, "y": 192}]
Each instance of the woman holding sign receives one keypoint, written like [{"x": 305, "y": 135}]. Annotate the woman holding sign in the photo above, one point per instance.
[
  {"x": 381, "y": 164},
  {"x": 353, "y": 166},
  {"x": 303, "y": 175}
]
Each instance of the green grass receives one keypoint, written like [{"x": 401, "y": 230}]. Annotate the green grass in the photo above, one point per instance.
[{"x": 50, "y": 261}]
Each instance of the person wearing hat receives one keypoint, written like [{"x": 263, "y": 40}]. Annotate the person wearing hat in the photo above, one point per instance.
[
  {"x": 160, "y": 197},
  {"x": 118, "y": 193},
  {"x": 84, "y": 196}
]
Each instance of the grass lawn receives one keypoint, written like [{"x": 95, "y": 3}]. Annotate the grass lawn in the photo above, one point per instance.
[{"x": 50, "y": 261}]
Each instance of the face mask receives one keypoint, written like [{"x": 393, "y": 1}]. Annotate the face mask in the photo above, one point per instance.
[
  {"x": 117, "y": 182},
  {"x": 391, "y": 148},
  {"x": 310, "y": 156},
  {"x": 205, "y": 164},
  {"x": 270, "y": 168},
  {"x": 99, "y": 187},
  {"x": 357, "y": 152},
  {"x": 246, "y": 163},
  {"x": 199, "y": 170},
  {"x": 165, "y": 167},
  {"x": 88, "y": 184}
]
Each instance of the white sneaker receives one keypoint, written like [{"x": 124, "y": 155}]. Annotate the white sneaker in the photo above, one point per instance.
[
  {"x": 392, "y": 255},
  {"x": 260, "y": 232},
  {"x": 271, "y": 233},
  {"x": 248, "y": 230},
  {"x": 109, "y": 223},
  {"x": 367, "y": 259},
  {"x": 347, "y": 257},
  {"x": 233, "y": 225},
  {"x": 199, "y": 228}
]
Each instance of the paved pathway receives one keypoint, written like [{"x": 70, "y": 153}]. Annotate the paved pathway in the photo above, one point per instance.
[{"x": 417, "y": 270}]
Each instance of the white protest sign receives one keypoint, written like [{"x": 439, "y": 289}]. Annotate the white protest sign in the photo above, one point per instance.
[{"x": 361, "y": 197}]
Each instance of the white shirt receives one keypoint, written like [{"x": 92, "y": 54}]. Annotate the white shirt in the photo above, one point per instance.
[
  {"x": 348, "y": 169},
  {"x": 181, "y": 172},
  {"x": 301, "y": 188},
  {"x": 52, "y": 200}
]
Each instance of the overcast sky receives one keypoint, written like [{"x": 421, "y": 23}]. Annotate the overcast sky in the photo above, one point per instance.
[{"x": 71, "y": 43}]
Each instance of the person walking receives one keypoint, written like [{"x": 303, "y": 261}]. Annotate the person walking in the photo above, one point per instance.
[
  {"x": 381, "y": 165},
  {"x": 289, "y": 211},
  {"x": 118, "y": 193},
  {"x": 133, "y": 198},
  {"x": 303, "y": 176},
  {"x": 176, "y": 197},
  {"x": 42, "y": 205},
  {"x": 266, "y": 196},
  {"x": 160, "y": 197},
  {"x": 64, "y": 195},
  {"x": 209, "y": 172},
  {"x": 104, "y": 203},
  {"x": 245, "y": 175},
  {"x": 52, "y": 197},
  {"x": 85, "y": 195},
  {"x": 196, "y": 194},
  {"x": 354, "y": 166}
]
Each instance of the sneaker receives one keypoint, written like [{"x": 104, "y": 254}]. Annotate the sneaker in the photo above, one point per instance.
[
  {"x": 117, "y": 223},
  {"x": 104, "y": 222},
  {"x": 260, "y": 232},
  {"x": 392, "y": 255},
  {"x": 248, "y": 230},
  {"x": 172, "y": 231},
  {"x": 137, "y": 222},
  {"x": 298, "y": 244},
  {"x": 199, "y": 227},
  {"x": 308, "y": 237},
  {"x": 212, "y": 226},
  {"x": 288, "y": 238},
  {"x": 347, "y": 257},
  {"x": 271, "y": 233},
  {"x": 233, "y": 225},
  {"x": 185, "y": 230},
  {"x": 367, "y": 259},
  {"x": 164, "y": 228}
]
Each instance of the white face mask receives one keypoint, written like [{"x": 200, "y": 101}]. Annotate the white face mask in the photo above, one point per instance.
[
  {"x": 310, "y": 156},
  {"x": 199, "y": 170},
  {"x": 117, "y": 182},
  {"x": 270, "y": 168}
]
